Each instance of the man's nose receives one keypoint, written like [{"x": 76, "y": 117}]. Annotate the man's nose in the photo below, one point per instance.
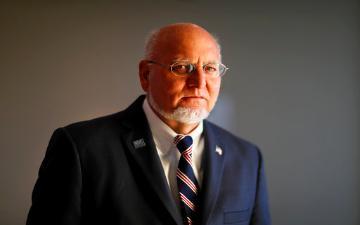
[{"x": 197, "y": 78}]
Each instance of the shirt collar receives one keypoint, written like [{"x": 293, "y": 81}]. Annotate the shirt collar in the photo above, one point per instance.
[{"x": 163, "y": 135}]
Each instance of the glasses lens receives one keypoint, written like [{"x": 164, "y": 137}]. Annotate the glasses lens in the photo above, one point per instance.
[
  {"x": 211, "y": 69},
  {"x": 182, "y": 68},
  {"x": 222, "y": 69},
  {"x": 215, "y": 70}
]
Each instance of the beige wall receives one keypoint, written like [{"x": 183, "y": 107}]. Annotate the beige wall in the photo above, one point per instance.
[{"x": 292, "y": 88}]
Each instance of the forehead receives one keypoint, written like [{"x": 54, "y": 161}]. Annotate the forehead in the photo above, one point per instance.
[{"x": 186, "y": 43}]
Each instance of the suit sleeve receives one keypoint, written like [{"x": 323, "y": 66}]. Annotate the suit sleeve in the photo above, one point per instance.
[
  {"x": 261, "y": 212},
  {"x": 56, "y": 198}
]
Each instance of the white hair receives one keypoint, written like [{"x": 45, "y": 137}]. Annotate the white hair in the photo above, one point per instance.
[{"x": 181, "y": 114}]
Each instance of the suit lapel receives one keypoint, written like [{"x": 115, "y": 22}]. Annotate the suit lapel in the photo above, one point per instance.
[
  {"x": 213, "y": 161},
  {"x": 142, "y": 148}
]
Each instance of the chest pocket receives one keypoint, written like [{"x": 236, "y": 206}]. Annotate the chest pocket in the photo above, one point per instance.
[{"x": 237, "y": 217}]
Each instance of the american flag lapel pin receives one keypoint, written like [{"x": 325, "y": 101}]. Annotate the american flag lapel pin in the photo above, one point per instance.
[{"x": 218, "y": 150}]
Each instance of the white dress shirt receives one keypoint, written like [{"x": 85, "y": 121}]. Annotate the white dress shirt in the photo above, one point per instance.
[{"x": 169, "y": 155}]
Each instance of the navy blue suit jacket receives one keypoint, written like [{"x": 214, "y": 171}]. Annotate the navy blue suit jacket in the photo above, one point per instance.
[{"x": 107, "y": 171}]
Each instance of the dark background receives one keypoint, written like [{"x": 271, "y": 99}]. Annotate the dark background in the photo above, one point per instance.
[{"x": 293, "y": 88}]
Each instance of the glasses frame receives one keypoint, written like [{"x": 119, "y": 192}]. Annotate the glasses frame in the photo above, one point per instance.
[{"x": 170, "y": 68}]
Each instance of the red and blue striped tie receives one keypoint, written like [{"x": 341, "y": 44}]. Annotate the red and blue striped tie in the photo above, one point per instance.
[{"x": 186, "y": 180}]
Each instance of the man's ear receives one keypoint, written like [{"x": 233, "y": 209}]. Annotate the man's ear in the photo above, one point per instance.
[{"x": 144, "y": 74}]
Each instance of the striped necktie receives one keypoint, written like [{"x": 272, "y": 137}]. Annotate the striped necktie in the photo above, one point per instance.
[{"x": 186, "y": 180}]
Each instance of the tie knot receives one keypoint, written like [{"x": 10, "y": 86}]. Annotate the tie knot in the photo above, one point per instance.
[{"x": 183, "y": 143}]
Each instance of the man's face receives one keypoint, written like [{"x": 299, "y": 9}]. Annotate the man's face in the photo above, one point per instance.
[{"x": 169, "y": 91}]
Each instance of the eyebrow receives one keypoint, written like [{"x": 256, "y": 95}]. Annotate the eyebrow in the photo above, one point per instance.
[
  {"x": 189, "y": 61},
  {"x": 180, "y": 60}
]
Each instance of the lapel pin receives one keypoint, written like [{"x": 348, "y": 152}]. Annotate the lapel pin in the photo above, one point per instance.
[
  {"x": 139, "y": 143},
  {"x": 218, "y": 150}
]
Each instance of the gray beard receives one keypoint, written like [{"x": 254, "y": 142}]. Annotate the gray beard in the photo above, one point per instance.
[{"x": 181, "y": 114}]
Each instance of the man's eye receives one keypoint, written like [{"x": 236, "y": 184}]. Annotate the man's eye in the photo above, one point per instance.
[
  {"x": 181, "y": 68},
  {"x": 210, "y": 68}
]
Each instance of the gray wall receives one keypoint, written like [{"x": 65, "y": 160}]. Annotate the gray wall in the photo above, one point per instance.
[{"x": 292, "y": 88}]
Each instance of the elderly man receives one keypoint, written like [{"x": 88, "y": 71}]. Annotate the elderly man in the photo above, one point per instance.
[{"x": 158, "y": 161}]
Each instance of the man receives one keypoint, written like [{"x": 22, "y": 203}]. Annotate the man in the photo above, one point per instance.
[{"x": 158, "y": 161}]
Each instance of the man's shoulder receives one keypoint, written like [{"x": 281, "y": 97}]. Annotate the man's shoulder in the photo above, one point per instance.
[
  {"x": 95, "y": 123},
  {"x": 107, "y": 123},
  {"x": 92, "y": 130}
]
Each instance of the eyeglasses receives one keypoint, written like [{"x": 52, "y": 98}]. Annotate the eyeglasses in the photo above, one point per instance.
[{"x": 186, "y": 68}]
